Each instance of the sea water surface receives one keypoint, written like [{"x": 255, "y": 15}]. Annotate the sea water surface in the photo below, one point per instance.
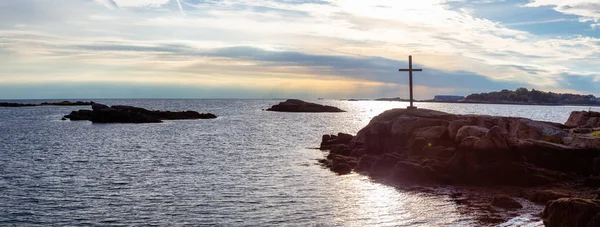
[{"x": 247, "y": 167}]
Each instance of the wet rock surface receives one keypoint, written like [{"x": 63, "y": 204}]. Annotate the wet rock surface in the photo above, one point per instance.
[
  {"x": 295, "y": 105},
  {"x": 572, "y": 212}
]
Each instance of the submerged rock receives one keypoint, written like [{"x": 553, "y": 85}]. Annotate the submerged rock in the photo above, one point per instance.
[
  {"x": 506, "y": 202},
  {"x": 295, "y": 105},
  {"x": 128, "y": 114}
]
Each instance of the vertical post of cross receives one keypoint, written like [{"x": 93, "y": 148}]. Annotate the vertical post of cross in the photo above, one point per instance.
[{"x": 410, "y": 71}]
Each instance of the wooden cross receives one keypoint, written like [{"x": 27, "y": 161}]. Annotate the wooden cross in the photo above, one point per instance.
[{"x": 410, "y": 71}]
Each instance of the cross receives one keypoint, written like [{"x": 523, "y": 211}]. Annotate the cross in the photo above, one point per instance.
[{"x": 410, "y": 71}]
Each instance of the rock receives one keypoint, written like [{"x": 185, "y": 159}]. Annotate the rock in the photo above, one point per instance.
[
  {"x": 415, "y": 173},
  {"x": 468, "y": 142},
  {"x": 365, "y": 162},
  {"x": 418, "y": 145},
  {"x": 329, "y": 141},
  {"x": 506, "y": 202},
  {"x": 341, "y": 149},
  {"x": 439, "y": 152},
  {"x": 294, "y": 105},
  {"x": 128, "y": 114},
  {"x": 9, "y": 104},
  {"x": 80, "y": 115},
  {"x": 543, "y": 196},
  {"x": 63, "y": 119},
  {"x": 536, "y": 130},
  {"x": 558, "y": 157},
  {"x": 67, "y": 103},
  {"x": 493, "y": 140},
  {"x": 573, "y": 212},
  {"x": 456, "y": 125},
  {"x": 582, "y": 141},
  {"x": 341, "y": 169},
  {"x": 63, "y": 103},
  {"x": 384, "y": 165},
  {"x": 98, "y": 106},
  {"x": 583, "y": 119},
  {"x": 432, "y": 133},
  {"x": 343, "y": 138},
  {"x": 470, "y": 131}
]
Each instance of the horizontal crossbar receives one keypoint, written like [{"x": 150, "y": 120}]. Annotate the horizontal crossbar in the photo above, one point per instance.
[{"x": 414, "y": 70}]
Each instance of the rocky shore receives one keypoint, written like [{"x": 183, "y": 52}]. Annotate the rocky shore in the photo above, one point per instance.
[
  {"x": 542, "y": 161},
  {"x": 128, "y": 114},
  {"x": 295, "y": 105},
  {"x": 63, "y": 103}
]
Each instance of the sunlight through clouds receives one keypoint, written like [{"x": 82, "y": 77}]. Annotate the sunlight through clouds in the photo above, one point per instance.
[{"x": 363, "y": 42}]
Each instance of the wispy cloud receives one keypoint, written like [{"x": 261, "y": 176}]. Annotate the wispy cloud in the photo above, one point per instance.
[{"x": 220, "y": 42}]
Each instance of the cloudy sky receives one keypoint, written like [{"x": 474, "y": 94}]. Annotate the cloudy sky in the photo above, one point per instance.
[{"x": 294, "y": 48}]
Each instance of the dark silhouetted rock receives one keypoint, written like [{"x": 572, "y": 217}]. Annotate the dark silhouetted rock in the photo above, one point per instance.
[
  {"x": 295, "y": 105},
  {"x": 543, "y": 196},
  {"x": 418, "y": 145},
  {"x": 341, "y": 169},
  {"x": 80, "y": 115},
  {"x": 63, "y": 103},
  {"x": 572, "y": 212},
  {"x": 329, "y": 141},
  {"x": 67, "y": 103},
  {"x": 506, "y": 202},
  {"x": 128, "y": 114},
  {"x": 9, "y": 104}
]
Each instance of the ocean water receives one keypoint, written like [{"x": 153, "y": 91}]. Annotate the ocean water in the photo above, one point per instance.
[{"x": 247, "y": 167}]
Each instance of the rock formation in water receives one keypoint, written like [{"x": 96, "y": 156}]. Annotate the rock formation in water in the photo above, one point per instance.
[
  {"x": 295, "y": 105},
  {"x": 573, "y": 212},
  {"x": 129, "y": 114},
  {"x": 435, "y": 148},
  {"x": 63, "y": 103}
]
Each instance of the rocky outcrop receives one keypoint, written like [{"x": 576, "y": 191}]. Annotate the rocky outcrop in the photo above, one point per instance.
[
  {"x": 128, "y": 114},
  {"x": 573, "y": 212},
  {"x": 63, "y": 103},
  {"x": 584, "y": 119},
  {"x": 427, "y": 146},
  {"x": 295, "y": 105},
  {"x": 67, "y": 103}
]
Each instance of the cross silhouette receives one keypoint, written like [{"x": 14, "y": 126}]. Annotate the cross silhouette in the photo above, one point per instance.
[{"x": 410, "y": 71}]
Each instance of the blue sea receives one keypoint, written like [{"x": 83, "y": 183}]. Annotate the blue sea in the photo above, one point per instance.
[{"x": 248, "y": 167}]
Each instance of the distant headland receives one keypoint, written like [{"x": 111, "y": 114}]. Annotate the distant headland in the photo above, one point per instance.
[{"x": 520, "y": 96}]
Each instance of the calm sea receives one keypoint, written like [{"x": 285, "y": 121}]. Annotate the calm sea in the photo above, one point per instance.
[{"x": 248, "y": 167}]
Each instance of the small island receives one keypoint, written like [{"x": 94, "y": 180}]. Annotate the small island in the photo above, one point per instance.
[
  {"x": 63, "y": 103},
  {"x": 129, "y": 114},
  {"x": 295, "y": 105},
  {"x": 539, "y": 161}
]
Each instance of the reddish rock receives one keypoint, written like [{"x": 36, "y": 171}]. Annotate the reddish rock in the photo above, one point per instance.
[
  {"x": 572, "y": 212},
  {"x": 470, "y": 131},
  {"x": 583, "y": 119}
]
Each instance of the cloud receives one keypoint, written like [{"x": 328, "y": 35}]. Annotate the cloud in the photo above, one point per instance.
[
  {"x": 587, "y": 10},
  {"x": 333, "y": 40}
]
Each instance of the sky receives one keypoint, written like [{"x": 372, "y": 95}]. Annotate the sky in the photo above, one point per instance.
[{"x": 295, "y": 48}]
